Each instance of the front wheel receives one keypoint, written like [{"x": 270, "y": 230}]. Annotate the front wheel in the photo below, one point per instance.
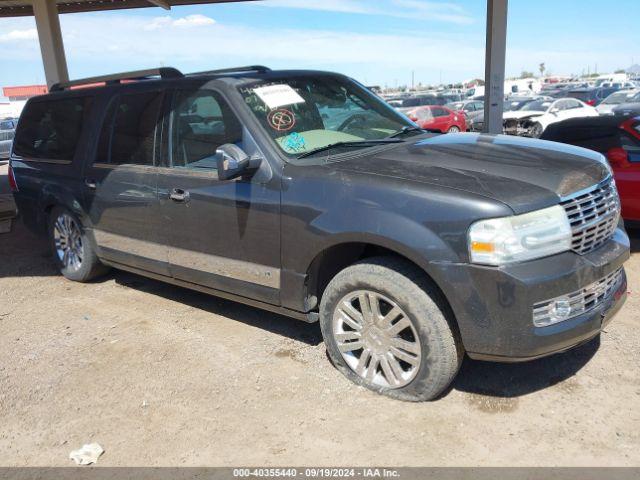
[
  {"x": 536, "y": 130},
  {"x": 73, "y": 251},
  {"x": 385, "y": 328}
]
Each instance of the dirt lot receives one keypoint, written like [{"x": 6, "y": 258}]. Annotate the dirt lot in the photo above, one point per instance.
[{"x": 159, "y": 375}]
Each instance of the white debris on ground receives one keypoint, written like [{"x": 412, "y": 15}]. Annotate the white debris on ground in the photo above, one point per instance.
[{"x": 87, "y": 455}]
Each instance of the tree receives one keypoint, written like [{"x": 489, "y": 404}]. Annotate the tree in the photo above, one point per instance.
[
  {"x": 542, "y": 68},
  {"x": 526, "y": 74},
  {"x": 620, "y": 70}
]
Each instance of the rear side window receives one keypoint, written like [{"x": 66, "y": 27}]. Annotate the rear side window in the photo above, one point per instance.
[
  {"x": 50, "y": 129},
  {"x": 129, "y": 130}
]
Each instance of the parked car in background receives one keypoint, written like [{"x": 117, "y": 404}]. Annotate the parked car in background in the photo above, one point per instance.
[
  {"x": 7, "y": 132},
  {"x": 438, "y": 118},
  {"x": 627, "y": 109},
  {"x": 591, "y": 96},
  {"x": 516, "y": 103},
  {"x": 617, "y": 85},
  {"x": 430, "y": 99},
  {"x": 472, "y": 110},
  {"x": 619, "y": 140},
  {"x": 8, "y": 123},
  {"x": 418, "y": 101},
  {"x": 618, "y": 98},
  {"x": 533, "y": 118}
]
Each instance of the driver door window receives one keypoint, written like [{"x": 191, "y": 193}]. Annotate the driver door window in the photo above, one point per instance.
[{"x": 201, "y": 121}]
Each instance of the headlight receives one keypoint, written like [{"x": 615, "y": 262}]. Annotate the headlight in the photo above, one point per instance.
[{"x": 498, "y": 241}]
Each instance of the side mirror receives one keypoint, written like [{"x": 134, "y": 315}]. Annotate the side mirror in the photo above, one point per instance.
[{"x": 233, "y": 162}]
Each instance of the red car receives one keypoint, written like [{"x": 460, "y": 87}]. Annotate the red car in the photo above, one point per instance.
[
  {"x": 435, "y": 117},
  {"x": 618, "y": 139}
]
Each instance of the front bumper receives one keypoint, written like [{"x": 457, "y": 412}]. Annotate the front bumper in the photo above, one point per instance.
[{"x": 494, "y": 306}]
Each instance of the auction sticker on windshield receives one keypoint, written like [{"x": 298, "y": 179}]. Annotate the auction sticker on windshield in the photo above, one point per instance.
[{"x": 278, "y": 95}]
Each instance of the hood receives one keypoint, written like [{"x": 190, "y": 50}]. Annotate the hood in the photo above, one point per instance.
[
  {"x": 523, "y": 173},
  {"x": 521, "y": 114}
]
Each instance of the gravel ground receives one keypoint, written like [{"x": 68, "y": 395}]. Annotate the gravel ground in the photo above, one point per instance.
[{"x": 164, "y": 376}]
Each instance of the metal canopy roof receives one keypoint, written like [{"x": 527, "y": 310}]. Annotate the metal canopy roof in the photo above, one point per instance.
[{"x": 21, "y": 8}]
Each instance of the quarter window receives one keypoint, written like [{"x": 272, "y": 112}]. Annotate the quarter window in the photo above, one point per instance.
[
  {"x": 50, "y": 129},
  {"x": 201, "y": 121}
]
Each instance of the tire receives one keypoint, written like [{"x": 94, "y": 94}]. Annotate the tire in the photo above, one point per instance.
[
  {"x": 536, "y": 130},
  {"x": 453, "y": 129},
  {"x": 66, "y": 234},
  {"x": 395, "y": 283}
]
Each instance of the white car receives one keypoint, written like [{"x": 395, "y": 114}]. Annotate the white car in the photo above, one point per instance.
[
  {"x": 532, "y": 119},
  {"x": 618, "y": 98}
]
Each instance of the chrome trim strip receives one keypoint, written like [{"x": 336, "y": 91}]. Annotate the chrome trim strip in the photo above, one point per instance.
[
  {"x": 595, "y": 186},
  {"x": 42, "y": 160},
  {"x": 203, "y": 262}
]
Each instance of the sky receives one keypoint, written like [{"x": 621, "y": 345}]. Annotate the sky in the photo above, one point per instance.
[{"x": 379, "y": 42}]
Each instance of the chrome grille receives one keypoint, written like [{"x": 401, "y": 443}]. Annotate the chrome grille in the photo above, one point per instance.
[
  {"x": 593, "y": 216},
  {"x": 581, "y": 301}
]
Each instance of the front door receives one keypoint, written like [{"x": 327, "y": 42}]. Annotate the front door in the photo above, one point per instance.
[
  {"x": 221, "y": 234},
  {"x": 121, "y": 184}
]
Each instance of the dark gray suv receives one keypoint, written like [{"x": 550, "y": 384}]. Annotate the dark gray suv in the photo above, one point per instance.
[{"x": 304, "y": 194}]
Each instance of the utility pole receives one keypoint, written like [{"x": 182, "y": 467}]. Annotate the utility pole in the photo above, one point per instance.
[{"x": 413, "y": 79}]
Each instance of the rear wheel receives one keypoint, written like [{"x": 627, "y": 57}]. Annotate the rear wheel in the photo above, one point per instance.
[
  {"x": 453, "y": 129},
  {"x": 385, "y": 328},
  {"x": 73, "y": 251}
]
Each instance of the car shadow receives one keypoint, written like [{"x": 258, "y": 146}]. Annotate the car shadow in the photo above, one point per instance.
[
  {"x": 634, "y": 236},
  {"x": 24, "y": 254},
  {"x": 509, "y": 380},
  {"x": 308, "y": 333}
]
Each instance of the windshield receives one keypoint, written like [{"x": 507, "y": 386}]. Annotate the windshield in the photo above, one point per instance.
[
  {"x": 305, "y": 113},
  {"x": 621, "y": 97},
  {"x": 538, "y": 106}
]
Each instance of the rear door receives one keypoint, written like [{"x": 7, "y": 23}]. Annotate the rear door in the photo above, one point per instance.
[
  {"x": 441, "y": 119},
  {"x": 121, "y": 183},
  {"x": 220, "y": 234}
]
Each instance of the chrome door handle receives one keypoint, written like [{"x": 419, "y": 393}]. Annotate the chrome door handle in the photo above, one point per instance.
[
  {"x": 92, "y": 184},
  {"x": 179, "y": 195}
]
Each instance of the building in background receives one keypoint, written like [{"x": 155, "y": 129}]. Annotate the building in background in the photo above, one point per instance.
[{"x": 17, "y": 97}]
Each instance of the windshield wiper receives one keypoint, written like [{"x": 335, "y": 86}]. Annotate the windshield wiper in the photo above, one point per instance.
[
  {"x": 358, "y": 143},
  {"x": 405, "y": 130}
]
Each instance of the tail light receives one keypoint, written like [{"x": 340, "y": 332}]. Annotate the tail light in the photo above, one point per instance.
[
  {"x": 591, "y": 103},
  {"x": 617, "y": 157},
  {"x": 12, "y": 180}
]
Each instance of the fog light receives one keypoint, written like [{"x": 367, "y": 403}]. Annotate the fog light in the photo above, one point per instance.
[{"x": 561, "y": 309}]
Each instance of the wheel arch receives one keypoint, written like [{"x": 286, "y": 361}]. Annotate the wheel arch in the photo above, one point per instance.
[
  {"x": 341, "y": 254},
  {"x": 53, "y": 196}
]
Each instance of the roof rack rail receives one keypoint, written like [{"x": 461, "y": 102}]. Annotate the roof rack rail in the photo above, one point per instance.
[
  {"x": 162, "y": 72},
  {"x": 249, "y": 68}
]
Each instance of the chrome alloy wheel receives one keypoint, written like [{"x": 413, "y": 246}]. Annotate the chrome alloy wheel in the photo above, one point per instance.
[
  {"x": 377, "y": 339},
  {"x": 68, "y": 241}
]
